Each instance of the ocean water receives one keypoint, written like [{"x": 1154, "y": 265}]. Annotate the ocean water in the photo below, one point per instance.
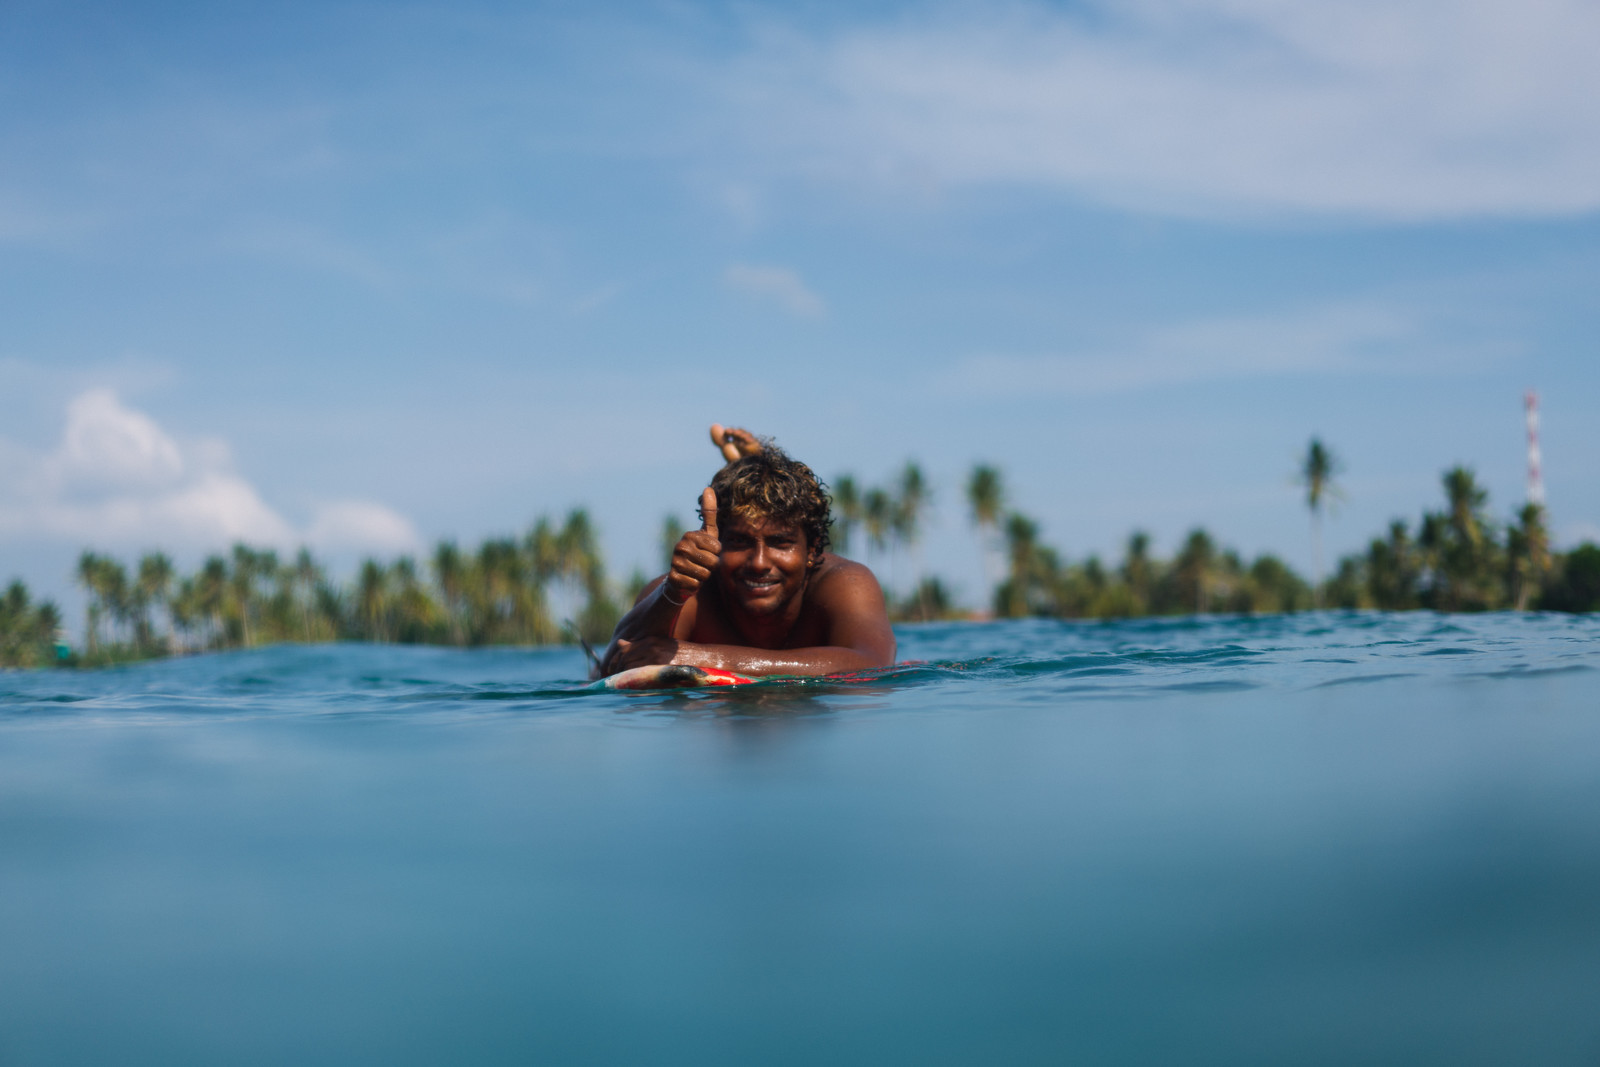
[{"x": 1326, "y": 838}]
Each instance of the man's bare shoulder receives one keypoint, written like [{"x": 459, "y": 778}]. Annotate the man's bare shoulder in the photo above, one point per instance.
[
  {"x": 847, "y": 608},
  {"x": 839, "y": 576}
]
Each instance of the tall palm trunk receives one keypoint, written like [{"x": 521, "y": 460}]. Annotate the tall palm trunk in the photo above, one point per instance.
[{"x": 1316, "y": 558}]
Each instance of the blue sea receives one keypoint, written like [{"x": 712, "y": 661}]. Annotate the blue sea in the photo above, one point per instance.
[{"x": 1316, "y": 839}]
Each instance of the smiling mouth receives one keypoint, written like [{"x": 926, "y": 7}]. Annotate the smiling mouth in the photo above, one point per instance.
[{"x": 758, "y": 586}]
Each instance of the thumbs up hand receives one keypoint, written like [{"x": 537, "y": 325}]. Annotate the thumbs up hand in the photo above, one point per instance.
[
  {"x": 708, "y": 513},
  {"x": 695, "y": 555}
]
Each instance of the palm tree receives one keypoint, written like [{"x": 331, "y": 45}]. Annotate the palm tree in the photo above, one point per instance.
[
  {"x": 1392, "y": 569},
  {"x": 671, "y": 533},
  {"x": 415, "y": 612},
  {"x": 1467, "y": 500},
  {"x": 248, "y": 566},
  {"x": 372, "y": 598},
  {"x": 450, "y": 572},
  {"x": 1431, "y": 539},
  {"x": 108, "y": 585},
  {"x": 877, "y": 517},
  {"x": 847, "y": 511},
  {"x": 88, "y": 576},
  {"x": 1317, "y": 472},
  {"x": 543, "y": 551},
  {"x": 1194, "y": 567},
  {"x": 912, "y": 498},
  {"x": 986, "y": 497},
  {"x": 1527, "y": 554},
  {"x": 573, "y": 556},
  {"x": 28, "y": 633},
  {"x": 15, "y": 620},
  {"x": 183, "y": 608},
  {"x": 1466, "y": 549},
  {"x": 47, "y": 630},
  {"x": 1022, "y": 545},
  {"x": 210, "y": 592},
  {"x": 307, "y": 576},
  {"x": 154, "y": 589},
  {"x": 1138, "y": 570}
]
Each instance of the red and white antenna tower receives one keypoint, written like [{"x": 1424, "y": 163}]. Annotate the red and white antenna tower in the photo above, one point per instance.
[{"x": 1530, "y": 402}]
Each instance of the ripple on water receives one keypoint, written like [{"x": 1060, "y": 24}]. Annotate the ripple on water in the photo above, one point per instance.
[
  {"x": 1218, "y": 654},
  {"x": 1344, "y": 823}
]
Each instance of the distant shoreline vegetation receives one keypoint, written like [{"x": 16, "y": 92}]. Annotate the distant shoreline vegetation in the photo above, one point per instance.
[
  {"x": 505, "y": 592},
  {"x": 1459, "y": 558}
]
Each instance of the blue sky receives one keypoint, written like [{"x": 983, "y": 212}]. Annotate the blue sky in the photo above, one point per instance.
[{"x": 368, "y": 275}]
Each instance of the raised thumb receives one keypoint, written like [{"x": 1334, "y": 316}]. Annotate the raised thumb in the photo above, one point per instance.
[{"x": 708, "y": 511}]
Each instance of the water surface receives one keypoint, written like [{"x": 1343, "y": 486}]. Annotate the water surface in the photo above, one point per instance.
[{"x": 1326, "y": 838}]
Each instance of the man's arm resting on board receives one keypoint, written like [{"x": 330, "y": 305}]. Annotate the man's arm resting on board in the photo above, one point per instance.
[
  {"x": 822, "y": 659},
  {"x": 656, "y": 613},
  {"x": 858, "y": 632},
  {"x": 654, "y": 616}
]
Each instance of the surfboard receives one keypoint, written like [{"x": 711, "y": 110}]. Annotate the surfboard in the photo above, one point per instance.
[{"x": 671, "y": 676}]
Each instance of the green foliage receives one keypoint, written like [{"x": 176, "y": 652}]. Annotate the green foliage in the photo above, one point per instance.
[
  {"x": 1201, "y": 578},
  {"x": 1317, "y": 472},
  {"x": 1576, "y": 582},
  {"x": 28, "y": 632},
  {"x": 499, "y": 594},
  {"x": 1462, "y": 560},
  {"x": 986, "y": 496},
  {"x": 847, "y": 512},
  {"x": 986, "y": 499},
  {"x": 672, "y": 531},
  {"x": 892, "y": 519},
  {"x": 929, "y": 602},
  {"x": 1458, "y": 559}
]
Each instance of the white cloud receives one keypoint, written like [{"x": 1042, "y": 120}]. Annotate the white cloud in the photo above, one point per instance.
[
  {"x": 1331, "y": 340},
  {"x": 306, "y": 246},
  {"x": 118, "y": 478},
  {"x": 108, "y": 444},
  {"x": 361, "y": 524},
  {"x": 217, "y": 507},
  {"x": 776, "y": 283},
  {"x": 1390, "y": 109}
]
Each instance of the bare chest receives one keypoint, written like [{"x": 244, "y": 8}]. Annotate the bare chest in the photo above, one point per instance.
[{"x": 713, "y": 626}]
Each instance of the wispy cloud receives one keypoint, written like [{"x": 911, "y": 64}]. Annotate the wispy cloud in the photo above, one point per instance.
[
  {"x": 1346, "y": 339},
  {"x": 779, "y": 284},
  {"x": 596, "y": 299},
  {"x": 23, "y": 222},
  {"x": 1390, "y": 109},
  {"x": 296, "y": 244},
  {"x": 118, "y": 478}
]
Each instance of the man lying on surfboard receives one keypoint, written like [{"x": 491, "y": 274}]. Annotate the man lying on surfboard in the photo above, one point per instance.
[{"x": 755, "y": 590}]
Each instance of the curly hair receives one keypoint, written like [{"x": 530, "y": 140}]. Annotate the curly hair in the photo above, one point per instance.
[{"x": 771, "y": 485}]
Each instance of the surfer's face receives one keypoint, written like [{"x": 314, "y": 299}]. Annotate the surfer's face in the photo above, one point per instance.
[{"x": 763, "y": 564}]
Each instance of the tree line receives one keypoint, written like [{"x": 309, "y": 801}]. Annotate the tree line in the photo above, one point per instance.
[
  {"x": 29, "y": 632},
  {"x": 550, "y": 582},
  {"x": 1458, "y": 557},
  {"x": 507, "y": 591},
  {"x": 1029, "y": 577}
]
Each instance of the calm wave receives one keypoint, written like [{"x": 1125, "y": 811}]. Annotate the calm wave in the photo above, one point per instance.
[{"x": 1318, "y": 838}]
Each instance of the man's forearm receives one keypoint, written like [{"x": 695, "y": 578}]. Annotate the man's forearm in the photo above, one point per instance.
[
  {"x": 653, "y": 616},
  {"x": 821, "y": 659}
]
